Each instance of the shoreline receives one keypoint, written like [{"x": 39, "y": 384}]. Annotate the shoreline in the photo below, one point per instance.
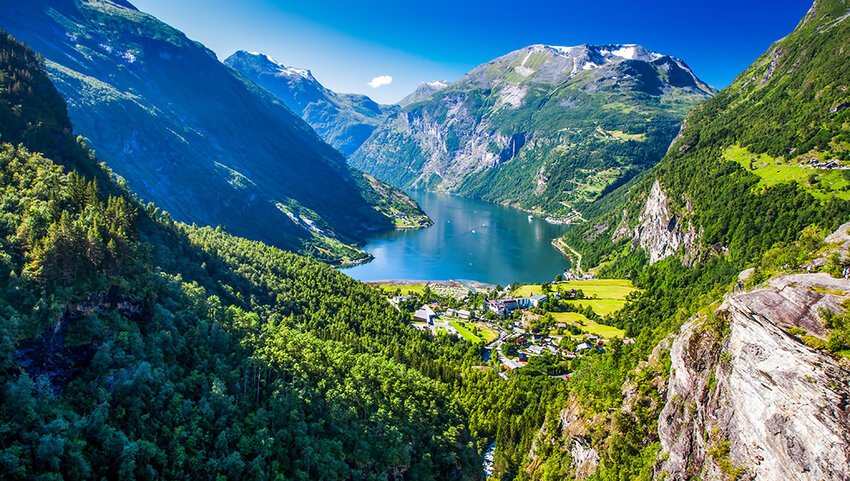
[
  {"x": 562, "y": 247},
  {"x": 546, "y": 216},
  {"x": 354, "y": 263},
  {"x": 469, "y": 284}
]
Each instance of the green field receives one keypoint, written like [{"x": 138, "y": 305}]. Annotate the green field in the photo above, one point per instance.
[
  {"x": 486, "y": 333},
  {"x": 464, "y": 332},
  {"x": 405, "y": 289},
  {"x": 610, "y": 293},
  {"x": 602, "y": 288},
  {"x": 465, "y": 329},
  {"x": 603, "y": 307},
  {"x": 821, "y": 183},
  {"x": 589, "y": 326}
]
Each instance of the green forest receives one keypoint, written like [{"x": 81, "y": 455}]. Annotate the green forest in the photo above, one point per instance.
[
  {"x": 137, "y": 347},
  {"x": 133, "y": 346}
]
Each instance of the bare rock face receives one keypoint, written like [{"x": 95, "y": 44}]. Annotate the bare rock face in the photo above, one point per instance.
[
  {"x": 841, "y": 239},
  {"x": 574, "y": 427},
  {"x": 796, "y": 300},
  {"x": 622, "y": 231},
  {"x": 659, "y": 231},
  {"x": 585, "y": 459},
  {"x": 752, "y": 401},
  {"x": 570, "y": 434}
]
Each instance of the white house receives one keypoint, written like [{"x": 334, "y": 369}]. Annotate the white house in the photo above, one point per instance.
[
  {"x": 537, "y": 299},
  {"x": 425, "y": 314},
  {"x": 461, "y": 313}
]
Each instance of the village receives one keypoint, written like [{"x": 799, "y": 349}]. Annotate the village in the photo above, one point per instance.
[{"x": 521, "y": 325}]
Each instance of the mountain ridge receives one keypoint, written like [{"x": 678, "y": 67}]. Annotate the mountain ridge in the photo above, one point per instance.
[
  {"x": 739, "y": 239},
  {"x": 186, "y": 133},
  {"x": 342, "y": 120},
  {"x": 543, "y": 128}
]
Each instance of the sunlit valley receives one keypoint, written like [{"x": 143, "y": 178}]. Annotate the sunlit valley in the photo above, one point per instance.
[{"x": 565, "y": 263}]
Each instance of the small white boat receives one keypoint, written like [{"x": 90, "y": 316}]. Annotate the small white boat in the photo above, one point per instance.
[{"x": 530, "y": 217}]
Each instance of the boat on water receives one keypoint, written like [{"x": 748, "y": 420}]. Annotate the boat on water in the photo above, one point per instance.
[{"x": 530, "y": 217}]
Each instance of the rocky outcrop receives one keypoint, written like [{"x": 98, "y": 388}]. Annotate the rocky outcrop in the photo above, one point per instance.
[
  {"x": 51, "y": 358},
  {"x": 748, "y": 400},
  {"x": 585, "y": 459},
  {"x": 660, "y": 231},
  {"x": 571, "y": 434}
]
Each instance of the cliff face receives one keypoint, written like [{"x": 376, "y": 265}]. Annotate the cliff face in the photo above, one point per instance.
[
  {"x": 659, "y": 231},
  {"x": 753, "y": 400}
]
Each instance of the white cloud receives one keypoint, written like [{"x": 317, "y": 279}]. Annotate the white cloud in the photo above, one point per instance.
[{"x": 380, "y": 80}]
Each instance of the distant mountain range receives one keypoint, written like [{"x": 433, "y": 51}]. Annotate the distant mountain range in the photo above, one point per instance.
[
  {"x": 199, "y": 140},
  {"x": 343, "y": 120},
  {"x": 546, "y": 128}
]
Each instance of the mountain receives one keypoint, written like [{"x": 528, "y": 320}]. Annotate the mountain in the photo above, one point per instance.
[
  {"x": 342, "y": 120},
  {"x": 136, "y": 347},
  {"x": 545, "y": 128},
  {"x": 738, "y": 240},
  {"x": 423, "y": 91},
  {"x": 188, "y": 134},
  {"x": 754, "y": 165}
]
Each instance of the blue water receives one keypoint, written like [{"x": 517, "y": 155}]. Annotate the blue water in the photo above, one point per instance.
[{"x": 471, "y": 240}]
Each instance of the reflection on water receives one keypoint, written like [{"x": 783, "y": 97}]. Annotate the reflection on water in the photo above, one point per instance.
[{"x": 470, "y": 239}]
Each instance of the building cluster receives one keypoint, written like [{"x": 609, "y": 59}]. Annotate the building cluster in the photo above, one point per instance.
[
  {"x": 509, "y": 304},
  {"x": 396, "y": 300},
  {"x": 453, "y": 290},
  {"x": 829, "y": 164}
]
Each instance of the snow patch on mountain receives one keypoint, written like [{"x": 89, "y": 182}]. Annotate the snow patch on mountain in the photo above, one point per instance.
[
  {"x": 608, "y": 53},
  {"x": 272, "y": 65}
]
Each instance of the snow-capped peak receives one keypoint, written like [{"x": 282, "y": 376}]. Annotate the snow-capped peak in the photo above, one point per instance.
[
  {"x": 273, "y": 65},
  {"x": 437, "y": 84},
  {"x": 629, "y": 51}
]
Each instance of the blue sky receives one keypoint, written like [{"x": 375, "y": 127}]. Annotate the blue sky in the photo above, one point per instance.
[{"x": 346, "y": 44}]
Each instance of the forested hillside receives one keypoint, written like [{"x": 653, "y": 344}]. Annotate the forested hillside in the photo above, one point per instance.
[
  {"x": 686, "y": 236},
  {"x": 134, "y": 346},
  {"x": 137, "y": 347},
  {"x": 789, "y": 110},
  {"x": 191, "y": 135}
]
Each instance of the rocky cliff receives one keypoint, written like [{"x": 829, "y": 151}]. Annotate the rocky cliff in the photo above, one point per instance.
[
  {"x": 660, "y": 231},
  {"x": 749, "y": 389},
  {"x": 752, "y": 401}
]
